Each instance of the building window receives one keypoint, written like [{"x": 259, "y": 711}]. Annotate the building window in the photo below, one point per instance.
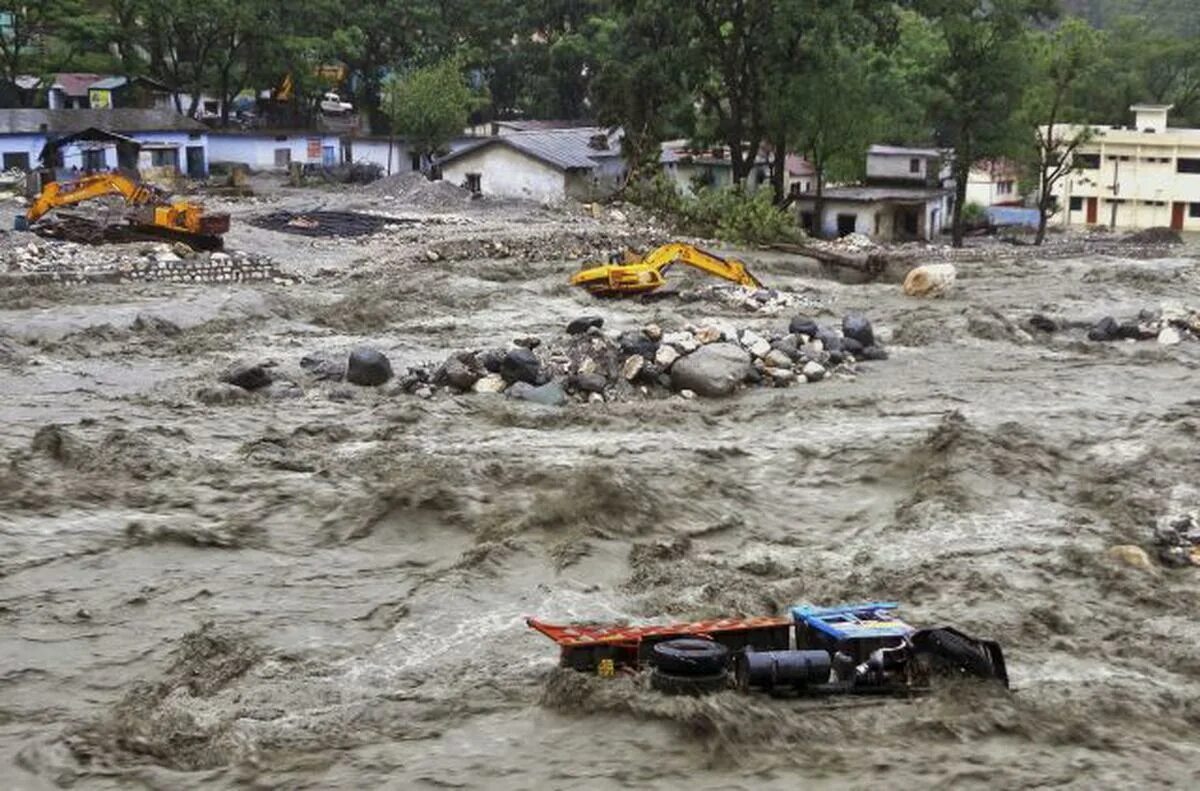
[
  {"x": 280, "y": 138},
  {"x": 415, "y": 161},
  {"x": 283, "y": 157},
  {"x": 474, "y": 183},
  {"x": 93, "y": 160},
  {"x": 16, "y": 159},
  {"x": 1186, "y": 165},
  {"x": 846, "y": 224},
  {"x": 1194, "y": 209},
  {"x": 164, "y": 157},
  {"x": 1005, "y": 188},
  {"x": 1076, "y": 204},
  {"x": 1088, "y": 161},
  {"x": 914, "y": 165}
]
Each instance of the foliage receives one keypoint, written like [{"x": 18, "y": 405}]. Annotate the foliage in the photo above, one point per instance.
[
  {"x": 727, "y": 213},
  {"x": 429, "y": 105},
  {"x": 974, "y": 215}
]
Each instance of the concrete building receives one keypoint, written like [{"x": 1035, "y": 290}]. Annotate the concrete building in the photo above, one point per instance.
[
  {"x": 165, "y": 139},
  {"x": 273, "y": 150},
  {"x": 906, "y": 196},
  {"x": 691, "y": 167},
  {"x": 994, "y": 182},
  {"x": 1143, "y": 176},
  {"x": 551, "y": 165}
]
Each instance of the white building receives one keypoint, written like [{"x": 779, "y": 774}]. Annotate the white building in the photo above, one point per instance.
[
  {"x": 550, "y": 165},
  {"x": 691, "y": 167},
  {"x": 930, "y": 167},
  {"x": 1143, "y": 176},
  {"x": 273, "y": 150},
  {"x": 994, "y": 182}
]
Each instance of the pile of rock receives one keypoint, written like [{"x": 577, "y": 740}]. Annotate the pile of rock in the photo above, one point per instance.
[
  {"x": 588, "y": 364},
  {"x": 1178, "y": 542},
  {"x": 582, "y": 244},
  {"x": 1169, "y": 325},
  {"x": 768, "y": 301}
]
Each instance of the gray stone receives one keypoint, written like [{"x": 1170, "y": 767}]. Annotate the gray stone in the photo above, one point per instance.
[
  {"x": 457, "y": 374},
  {"x": 220, "y": 394},
  {"x": 520, "y": 365},
  {"x": 632, "y": 367},
  {"x": 583, "y": 324},
  {"x": 248, "y": 376},
  {"x": 872, "y": 353},
  {"x": 755, "y": 343},
  {"x": 549, "y": 394},
  {"x": 527, "y": 341},
  {"x": 683, "y": 341},
  {"x": 323, "y": 367},
  {"x": 591, "y": 383},
  {"x": 492, "y": 383},
  {"x": 283, "y": 389},
  {"x": 814, "y": 372},
  {"x": 782, "y": 377},
  {"x": 714, "y": 371},
  {"x": 368, "y": 367},
  {"x": 636, "y": 342},
  {"x": 1169, "y": 336},
  {"x": 777, "y": 359},
  {"x": 666, "y": 356},
  {"x": 859, "y": 328},
  {"x": 653, "y": 332},
  {"x": 803, "y": 325}
]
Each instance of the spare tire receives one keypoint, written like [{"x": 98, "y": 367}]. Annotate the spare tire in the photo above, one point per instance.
[
  {"x": 673, "y": 684},
  {"x": 690, "y": 657}
]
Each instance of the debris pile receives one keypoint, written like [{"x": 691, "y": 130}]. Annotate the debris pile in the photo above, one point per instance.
[
  {"x": 767, "y": 301},
  {"x": 1169, "y": 326},
  {"x": 583, "y": 244},
  {"x": 588, "y": 364},
  {"x": 415, "y": 190},
  {"x": 1178, "y": 543}
]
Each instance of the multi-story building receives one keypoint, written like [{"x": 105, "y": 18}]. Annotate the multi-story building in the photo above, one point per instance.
[{"x": 1143, "y": 176}]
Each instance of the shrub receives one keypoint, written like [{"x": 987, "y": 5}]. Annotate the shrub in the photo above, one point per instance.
[{"x": 726, "y": 213}]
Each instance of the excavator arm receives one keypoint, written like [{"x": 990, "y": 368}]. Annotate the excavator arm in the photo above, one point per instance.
[
  {"x": 638, "y": 276},
  {"x": 68, "y": 193}
]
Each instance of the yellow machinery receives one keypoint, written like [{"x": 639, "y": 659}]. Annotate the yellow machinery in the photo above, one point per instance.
[
  {"x": 150, "y": 210},
  {"x": 636, "y": 275}
]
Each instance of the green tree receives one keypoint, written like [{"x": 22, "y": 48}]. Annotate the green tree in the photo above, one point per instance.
[
  {"x": 429, "y": 106},
  {"x": 979, "y": 81},
  {"x": 1054, "y": 108}
]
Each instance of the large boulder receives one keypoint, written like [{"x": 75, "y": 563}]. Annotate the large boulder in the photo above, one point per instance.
[
  {"x": 583, "y": 324},
  {"x": 859, "y": 328},
  {"x": 457, "y": 374},
  {"x": 520, "y": 365},
  {"x": 803, "y": 325},
  {"x": 549, "y": 394},
  {"x": 248, "y": 376},
  {"x": 368, "y": 367},
  {"x": 930, "y": 280},
  {"x": 1107, "y": 329},
  {"x": 714, "y": 370},
  {"x": 636, "y": 342}
]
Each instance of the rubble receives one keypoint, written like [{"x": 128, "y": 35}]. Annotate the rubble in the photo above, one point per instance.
[
  {"x": 1170, "y": 325},
  {"x": 594, "y": 366},
  {"x": 1178, "y": 542}
]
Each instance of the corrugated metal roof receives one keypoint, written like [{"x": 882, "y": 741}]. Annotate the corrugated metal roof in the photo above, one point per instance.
[
  {"x": 14, "y": 121},
  {"x": 904, "y": 151},
  {"x": 565, "y": 149},
  {"x": 75, "y": 83},
  {"x": 108, "y": 83}
]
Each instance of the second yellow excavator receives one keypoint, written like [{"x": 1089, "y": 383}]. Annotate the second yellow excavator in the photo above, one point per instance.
[
  {"x": 150, "y": 210},
  {"x": 632, "y": 274}
]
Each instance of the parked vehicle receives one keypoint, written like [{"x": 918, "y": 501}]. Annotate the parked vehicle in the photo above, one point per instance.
[{"x": 332, "y": 104}]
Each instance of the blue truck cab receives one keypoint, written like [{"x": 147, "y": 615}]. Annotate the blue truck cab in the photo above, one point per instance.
[{"x": 856, "y": 630}]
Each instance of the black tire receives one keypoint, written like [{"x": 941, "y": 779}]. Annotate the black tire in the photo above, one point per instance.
[
  {"x": 950, "y": 648},
  {"x": 689, "y": 657},
  {"x": 670, "y": 684}
]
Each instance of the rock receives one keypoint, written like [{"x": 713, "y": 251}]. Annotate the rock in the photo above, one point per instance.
[
  {"x": 549, "y": 394},
  {"x": 830, "y": 341},
  {"x": 148, "y": 322},
  {"x": 182, "y": 250},
  {"x": 1169, "y": 336},
  {"x": 1131, "y": 556},
  {"x": 492, "y": 383},
  {"x": 872, "y": 353},
  {"x": 632, "y": 367},
  {"x": 1130, "y": 330},
  {"x": 714, "y": 371},
  {"x": 813, "y": 371},
  {"x": 859, "y": 328},
  {"x": 653, "y": 332},
  {"x": 636, "y": 342},
  {"x": 323, "y": 367},
  {"x": 687, "y": 395},
  {"x": 778, "y": 359},
  {"x": 789, "y": 345},
  {"x": 666, "y": 356},
  {"x": 424, "y": 391},
  {"x": 851, "y": 346},
  {"x": 707, "y": 335},
  {"x": 527, "y": 342},
  {"x": 1043, "y": 323},
  {"x": 583, "y": 324},
  {"x": 490, "y": 360},
  {"x": 248, "y": 376},
  {"x": 368, "y": 367},
  {"x": 520, "y": 365},
  {"x": 782, "y": 377},
  {"x": 683, "y": 341},
  {"x": 590, "y": 383},
  {"x": 1107, "y": 329},
  {"x": 595, "y": 398},
  {"x": 755, "y": 343},
  {"x": 457, "y": 374},
  {"x": 803, "y": 325},
  {"x": 283, "y": 389},
  {"x": 930, "y": 280},
  {"x": 432, "y": 255}
]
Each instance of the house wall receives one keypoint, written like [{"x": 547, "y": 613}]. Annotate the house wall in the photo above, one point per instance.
[
  {"x": 374, "y": 151},
  {"x": 30, "y": 145},
  {"x": 258, "y": 151},
  {"x": 181, "y": 141},
  {"x": 877, "y": 219},
  {"x": 897, "y": 166},
  {"x": 715, "y": 174},
  {"x": 508, "y": 173},
  {"x": 72, "y": 155},
  {"x": 987, "y": 188},
  {"x": 1138, "y": 181}
]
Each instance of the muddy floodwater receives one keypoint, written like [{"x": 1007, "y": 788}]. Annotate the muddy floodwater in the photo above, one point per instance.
[{"x": 329, "y": 590}]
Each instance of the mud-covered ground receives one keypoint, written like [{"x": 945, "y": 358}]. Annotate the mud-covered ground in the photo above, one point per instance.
[{"x": 329, "y": 591}]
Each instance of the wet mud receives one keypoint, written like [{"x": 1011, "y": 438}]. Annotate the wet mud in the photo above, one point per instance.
[{"x": 208, "y": 588}]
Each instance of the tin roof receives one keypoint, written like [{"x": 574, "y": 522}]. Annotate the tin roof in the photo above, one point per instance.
[
  {"x": 565, "y": 149},
  {"x": 18, "y": 121},
  {"x": 108, "y": 83},
  {"x": 75, "y": 83}
]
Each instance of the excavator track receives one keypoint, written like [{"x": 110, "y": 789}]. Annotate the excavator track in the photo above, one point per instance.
[{"x": 85, "y": 230}]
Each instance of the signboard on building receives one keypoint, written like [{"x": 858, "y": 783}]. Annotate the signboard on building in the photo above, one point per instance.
[
  {"x": 99, "y": 99},
  {"x": 314, "y": 149}
]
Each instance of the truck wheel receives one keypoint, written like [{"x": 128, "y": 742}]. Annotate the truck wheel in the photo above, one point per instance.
[
  {"x": 690, "y": 657},
  {"x": 671, "y": 684}
]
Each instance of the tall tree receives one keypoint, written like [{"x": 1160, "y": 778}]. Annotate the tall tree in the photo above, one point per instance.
[
  {"x": 1054, "y": 110},
  {"x": 28, "y": 39},
  {"x": 429, "y": 106},
  {"x": 979, "y": 81}
]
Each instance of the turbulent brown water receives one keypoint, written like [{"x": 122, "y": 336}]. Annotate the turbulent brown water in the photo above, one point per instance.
[{"x": 329, "y": 591}]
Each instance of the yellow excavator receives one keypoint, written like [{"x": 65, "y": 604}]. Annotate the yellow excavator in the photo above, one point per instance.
[
  {"x": 150, "y": 210},
  {"x": 631, "y": 274}
]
